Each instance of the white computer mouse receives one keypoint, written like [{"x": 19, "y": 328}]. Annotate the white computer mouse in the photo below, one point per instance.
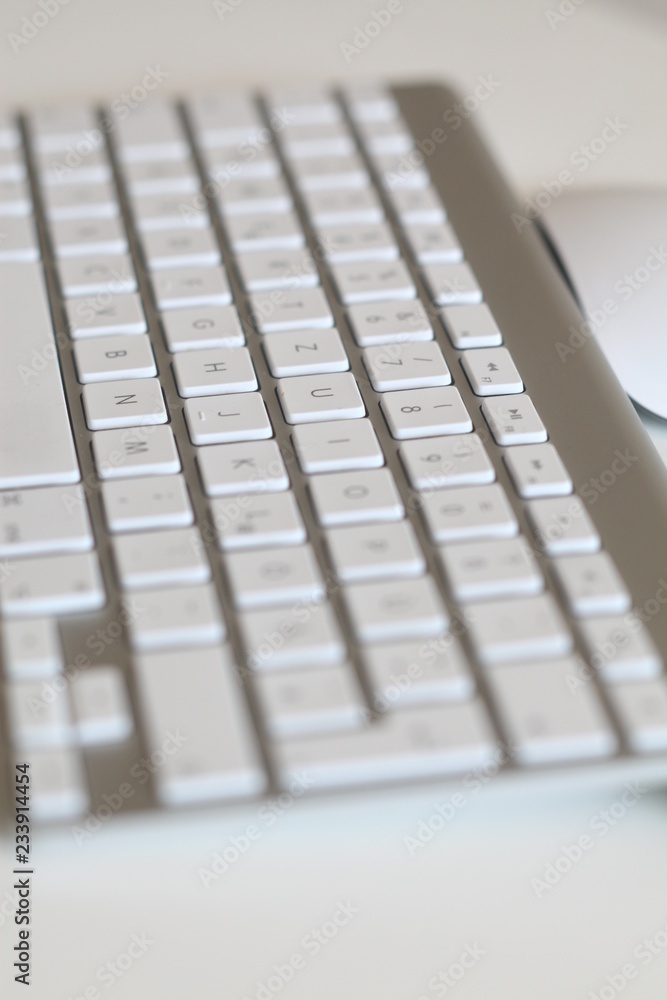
[{"x": 613, "y": 246}]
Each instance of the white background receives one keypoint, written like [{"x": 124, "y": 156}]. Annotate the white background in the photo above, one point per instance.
[{"x": 472, "y": 883}]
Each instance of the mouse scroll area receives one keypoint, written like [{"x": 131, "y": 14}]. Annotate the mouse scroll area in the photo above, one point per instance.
[{"x": 612, "y": 245}]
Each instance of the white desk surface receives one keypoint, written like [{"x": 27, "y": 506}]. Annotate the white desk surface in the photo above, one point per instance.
[{"x": 472, "y": 884}]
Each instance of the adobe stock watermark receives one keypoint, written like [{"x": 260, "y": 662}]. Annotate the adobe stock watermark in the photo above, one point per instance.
[
  {"x": 108, "y": 975},
  {"x": 364, "y": 34},
  {"x": 453, "y": 118},
  {"x": 445, "y": 980},
  {"x": 563, "y": 12},
  {"x": 618, "y": 638},
  {"x": 473, "y": 783},
  {"x": 645, "y": 953},
  {"x": 599, "y": 825},
  {"x": 581, "y": 159},
  {"x": 268, "y": 814},
  {"x": 625, "y": 288},
  {"x": 139, "y": 774},
  {"x": 32, "y": 24},
  {"x": 310, "y": 946}
]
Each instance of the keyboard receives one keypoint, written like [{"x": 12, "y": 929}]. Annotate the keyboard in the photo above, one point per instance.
[{"x": 306, "y": 483}]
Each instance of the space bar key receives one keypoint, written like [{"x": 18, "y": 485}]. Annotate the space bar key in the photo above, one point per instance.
[{"x": 36, "y": 444}]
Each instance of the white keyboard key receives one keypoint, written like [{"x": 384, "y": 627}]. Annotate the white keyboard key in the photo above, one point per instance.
[
  {"x": 52, "y": 585},
  {"x": 401, "y": 171},
  {"x": 88, "y": 237},
  {"x": 280, "y": 310},
  {"x": 142, "y": 504},
  {"x": 373, "y": 282},
  {"x": 161, "y": 177},
  {"x": 12, "y": 166},
  {"x": 401, "y": 609},
  {"x": 642, "y": 709},
  {"x": 512, "y": 421},
  {"x": 36, "y": 445},
  {"x": 388, "y": 323},
  {"x": 459, "y": 460},
  {"x": 101, "y": 315},
  {"x": 591, "y": 585},
  {"x": 97, "y": 275},
  {"x": 92, "y": 167},
  {"x": 491, "y": 372},
  {"x": 391, "y": 136},
  {"x": 57, "y": 784},
  {"x": 375, "y": 552},
  {"x": 537, "y": 471},
  {"x": 417, "y": 673},
  {"x": 276, "y": 638},
  {"x": 191, "y": 286},
  {"x": 252, "y": 467},
  {"x": 265, "y": 232},
  {"x": 263, "y": 521},
  {"x": 10, "y": 136},
  {"x": 102, "y": 712},
  {"x": 308, "y": 703},
  {"x": 546, "y": 720},
  {"x": 44, "y": 520},
  {"x": 471, "y": 326},
  {"x": 526, "y": 628},
  {"x": 434, "y": 244},
  {"x": 223, "y": 419},
  {"x": 468, "y": 513},
  {"x": 201, "y": 327},
  {"x": 265, "y": 269},
  {"x": 103, "y": 359},
  {"x": 346, "y": 207},
  {"x": 425, "y": 741},
  {"x": 562, "y": 526},
  {"x": 121, "y": 404},
  {"x": 480, "y": 570},
  {"x": 54, "y": 128},
  {"x": 151, "y": 131},
  {"x": 418, "y": 207},
  {"x": 160, "y": 559},
  {"x": 196, "y": 248},
  {"x": 356, "y": 497},
  {"x": 311, "y": 398},
  {"x": 337, "y": 445},
  {"x": 103, "y": 275},
  {"x": 194, "y": 706},
  {"x": 369, "y": 102},
  {"x": 162, "y": 212},
  {"x": 452, "y": 284},
  {"x": 80, "y": 201},
  {"x": 223, "y": 119},
  {"x": 327, "y": 173},
  {"x": 18, "y": 241},
  {"x": 311, "y": 352},
  {"x": 140, "y": 451},
  {"x": 229, "y": 163},
  {"x": 414, "y": 413},
  {"x": 181, "y": 616},
  {"x": 303, "y": 104},
  {"x": 35, "y": 721},
  {"x": 353, "y": 244},
  {"x": 620, "y": 649},
  {"x": 31, "y": 649},
  {"x": 406, "y": 366},
  {"x": 333, "y": 139},
  {"x": 255, "y": 197},
  {"x": 274, "y": 576},
  {"x": 15, "y": 199},
  {"x": 213, "y": 372}
]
